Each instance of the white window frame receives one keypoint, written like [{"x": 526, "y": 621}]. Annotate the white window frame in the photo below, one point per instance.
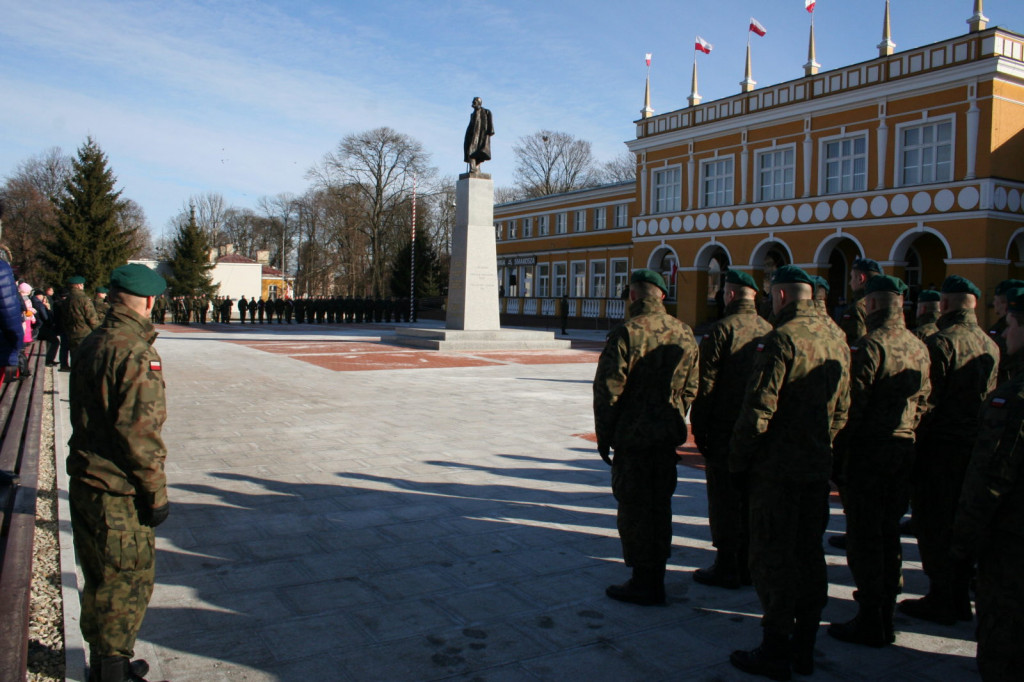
[
  {"x": 511, "y": 229},
  {"x": 526, "y": 281},
  {"x": 559, "y": 280},
  {"x": 579, "y": 222},
  {"x": 900, "y": 166},
  {"x": 724, "y": 191},
  {"x": 621, "y": 215},
  {"x": 599, "y": 278},
  {"x": 542, "y": 226},
  {"x": 561, "y": 223},
  {"x": 527, "y": 228},
  {"x": 543, "y": 280},
  {"x": 788, "y": 186},
  {"x": 578, "y": 279},
  {"x": 600, "y": 218},
  {"x": 823, "y": 144},
  {"x": 667, "y": 189},
  {"x": 619, "y": 279}
]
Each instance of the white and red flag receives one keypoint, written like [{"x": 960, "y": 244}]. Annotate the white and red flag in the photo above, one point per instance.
[
  {"x": 703, "y": 45},
  {"x": 756, "y": 27},
  {"x": 809, "y": 5},
  {"x": 648, "y": 59}
]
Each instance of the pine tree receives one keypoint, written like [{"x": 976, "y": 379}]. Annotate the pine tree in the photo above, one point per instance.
[
  {"x": 190, "y": 261},
  {"x": 430, "y": 276},
  {"x": 88, "y": 239}
]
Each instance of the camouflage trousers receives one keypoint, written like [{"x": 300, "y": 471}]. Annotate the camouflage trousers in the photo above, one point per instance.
[
  {"x": 939, "y": 470},
  {"x": 875, "y": 501},
  {"x": 116, "y": 554},
  {"x": 1000, "y": 601},
  {"x": 727, "y": 506},
  {"x": 643, "y": 482},
  {"x": 787, "y": 562}
]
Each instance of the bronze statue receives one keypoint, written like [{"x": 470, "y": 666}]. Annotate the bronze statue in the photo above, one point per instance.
[{"x": 477, "y": 147}]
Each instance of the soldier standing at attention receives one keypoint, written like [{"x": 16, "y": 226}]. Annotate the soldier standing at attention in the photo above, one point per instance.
[
  {"x": 852, "y": 322},
  {"x": 874, "y": 454},
  {"x": 80, "y": 318},
  {"x": 726, "y": 359},
  {"x": 99, "y": 302},
  {"x": 927, "y": 313},
  {"x": 990, "y": 518},
  {"x": 118, "y": 490},
  {"x": 646, "y": 379},
  {"x": 796, "y": 402},
  {"x": 963, "y": 372},
  {"x": 243, "y": 306},
  {"x": 821, "y": 291},
  {"x": 252, "y": 310}
]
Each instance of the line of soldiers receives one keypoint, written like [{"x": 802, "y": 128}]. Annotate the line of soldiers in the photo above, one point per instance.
[
  {"x": 315, "y": 310},
  {"x": 891, "y": 416}
]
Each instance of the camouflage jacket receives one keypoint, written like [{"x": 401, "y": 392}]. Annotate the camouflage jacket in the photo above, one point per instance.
[
  {"x": 101, "y": 307},
  {"x": 889, "y": 389},
  {"x": 796, "y": 401},
  {"x": 646, "y": 379},
  {"x": 926, "y": 325},
  {"x": 854, "y": 319},
  {"x": 80, "y": 318},
  {"x": 118, "y": 409},
  {"x": 992, "y": 498},
  {"x": 995, "y": 332},
  {"x": 963, "y": 373},
  {"x": 726, "y": 360},
  {"x": 833, "y": 327}
]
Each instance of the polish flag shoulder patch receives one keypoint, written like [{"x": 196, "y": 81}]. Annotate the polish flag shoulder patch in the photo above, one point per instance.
[
  {"x": 998, "y": 402},
  {"x": 854, "y": 349},
  {"x": 154, "y": 366},
  {"x": 760, "y": 347}
]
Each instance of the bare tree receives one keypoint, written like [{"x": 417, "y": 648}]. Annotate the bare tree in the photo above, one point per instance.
[
  {"x": 131, "y": 219},
  {"x": 503, "y": 195},
  {"x": 620, "y": 169},
  {"x": 550, "y": 162},
  {"x": 211, "y": 215},
  {"x": 280, "y": 211}
]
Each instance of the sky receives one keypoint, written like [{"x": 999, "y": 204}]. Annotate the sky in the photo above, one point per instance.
[{"x": 243, "y": 97}]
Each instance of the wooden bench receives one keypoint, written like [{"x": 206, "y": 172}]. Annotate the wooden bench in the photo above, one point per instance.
[{"x": 21, "y": 434}]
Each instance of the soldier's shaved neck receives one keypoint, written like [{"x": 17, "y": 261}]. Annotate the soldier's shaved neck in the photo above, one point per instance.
[
  {"x": 927, "y": 307},
  {"x": 951, "y": 302},
  {"x": 882, "y": 299},
  {"x": 739, "y": 293},
  {"x": 638, "y": 290},
  {"x": 143, "y": 305}
]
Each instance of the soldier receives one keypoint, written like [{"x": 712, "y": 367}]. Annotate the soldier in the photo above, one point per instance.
[
  {"x": 270, "y": 310},
  {"x": 796, "y": 402},
  {"x": 963, "y": 372},
  {"x": 80, "y": 318},
  {"x": 996, "y": 330},
  {"x": 927, "y": 313},
  {"x": 251, "y": 307},
  {"x": 563, "y": 313},
  {"x": 118, "y": 490},
  {"x": 243, "y": 306},
  {"x": 726, "y": 359},
  {"x": 225, "y": 310},
  {"x": 261, "y": 306},
  {"x": 821, "y": 291},
  {"x": 875, "y": 451},
  {"x": 300, "y": 310},
  {"x": 288, "y": 310},
  {"x": 990, "y": 515},
  {"x": 99, "y": 302},
  {"x": 852, "y": 322},
  {"x": 646, "y": 379}
]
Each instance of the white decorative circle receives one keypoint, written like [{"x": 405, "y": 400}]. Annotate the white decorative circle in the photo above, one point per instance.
[
  {"x": 727, "y": 220},
  {"x": 1013, "y": 200},
  {"x": 944, "y": 200},
  {"x": 641, "y": 228},
  {"x": 677, "y": 224},
  {"x": 900, "y": 204},
  {"x": 663, "y": 226},
  {"x": 840, "y": 210},
  {"x": 968, "y": 198},
  {"x": 859, "y": 208},
  {"x": 702, "y": 221},
  {"x": 879, "y": 205},
  {"x": 688, "y": 223},
  {"x": 741, "y": 218},
  {"x": 771, "y": 216},
  {"x": 805, "y": 213},
  {"x": 999, "y": 198},
  {"x": 922, "y": 202},
  {"x": 756, "y": 217},
  {"x": 714, "y": 220},
  {"x": 822, "y": 211},
  {"x": 788, "y": 215}
]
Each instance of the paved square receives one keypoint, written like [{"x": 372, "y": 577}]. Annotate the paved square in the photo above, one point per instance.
[{"x": 344, "y": 510}]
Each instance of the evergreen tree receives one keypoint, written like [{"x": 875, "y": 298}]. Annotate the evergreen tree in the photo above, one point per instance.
[
  {"x": 431, "y": 277},
  {"x": 190, "y": 261},
  {"x": 88, "y": 239}
]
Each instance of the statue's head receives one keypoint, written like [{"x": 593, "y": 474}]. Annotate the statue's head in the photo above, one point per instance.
[{"x": 477, "y": 102}]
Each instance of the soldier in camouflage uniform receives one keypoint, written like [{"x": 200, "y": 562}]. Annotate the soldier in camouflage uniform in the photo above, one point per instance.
[
  {"x": 796, "y": 402},
  {"x": 853, "y": 320},
  {"x": 99, "y": 302},
  {"x": 963, "y": 372},
  {"x": 927, "y": 313},
  {"x": 995, "y": 332},
  {"x": 821, "y": 291},
  {"x": 80, "y": 318},
  {"x": 888, "y": 395},
  {"x": 118, "y": 490},
  {"x": 990, "y": 517},
  {"x": 726, "y": 359},
  {"x": 646, "y": 379}
]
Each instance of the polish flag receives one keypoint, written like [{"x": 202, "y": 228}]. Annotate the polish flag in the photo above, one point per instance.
[
  {"x": 809, "y": 5},
  {"x": 756, "y": 27},
  {"x": 648, "y": 59},
  {"x": 703, "y": 45},
  {"x": 675, "y": 269}
]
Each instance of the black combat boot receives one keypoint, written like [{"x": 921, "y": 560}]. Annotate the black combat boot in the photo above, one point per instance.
[
  {"x": 801, "y": 646},
  {"x": 645, "y": 588},
  {"x": 725, "y": 572},
  {"x": 936, "y": 606},
  {"x": 888, "y": 610},
  {"x": 866, "y": 628},
  {"x": 770, "y": 660}
]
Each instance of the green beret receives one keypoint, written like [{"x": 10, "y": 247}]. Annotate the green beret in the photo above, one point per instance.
[
  {"x": 651, "y": 277},
  {"x": 77, "y": 279},
  {"x": 929, "y": 296},
  {"x": 821, "y": 283},
  {"x": 866, "y": 265},
  {"x": 1008, "y": 284},
  {"x": 1015, "y": 300},
  {"x": 102, "y": 290},
  {"x": 740, "y": 279},
  {"x": 791, "y": 274},
  {"x": 137, "y": 279},
  {"x": 955, "y": 284},
  {"x": 886, "y": 283}
]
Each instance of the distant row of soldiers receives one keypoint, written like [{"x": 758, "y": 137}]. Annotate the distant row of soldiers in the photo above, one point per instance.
[{"x": 318, "y": 310}]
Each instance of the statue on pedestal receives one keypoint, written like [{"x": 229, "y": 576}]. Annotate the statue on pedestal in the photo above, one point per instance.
[{"x": 477, "y": 147}]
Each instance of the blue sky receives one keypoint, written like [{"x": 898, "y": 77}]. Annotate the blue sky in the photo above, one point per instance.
[{"x": 242, "y": 97}]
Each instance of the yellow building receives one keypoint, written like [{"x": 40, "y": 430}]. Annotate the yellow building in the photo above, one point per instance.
[{"x": 913, "y": 159}]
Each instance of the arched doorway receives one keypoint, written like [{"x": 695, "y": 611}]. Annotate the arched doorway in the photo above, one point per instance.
[
  {"x": 665, "y": 261},
  {"x": 835, "y": 256},
  {"x": 711, "y": 263},
  {"x": 919, "y": 257},
  {"x": 767, "y": 257}
]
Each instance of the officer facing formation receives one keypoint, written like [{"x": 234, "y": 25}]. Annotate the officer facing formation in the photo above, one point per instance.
[
  {"x": 646, "y": 379},
  {"x": 853, "y": 320},
  {"x": 927, "y": 313},
  {"x": 118, "y": 490},
  {"x": 726, "y": 360}
]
